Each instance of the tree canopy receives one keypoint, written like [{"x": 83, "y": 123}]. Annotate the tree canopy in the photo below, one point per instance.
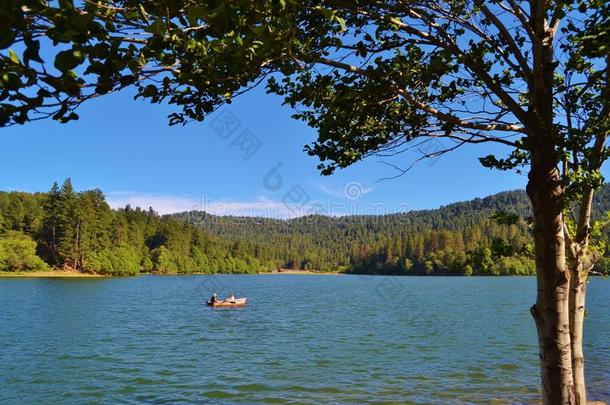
[{"x": 383, "y": 73}]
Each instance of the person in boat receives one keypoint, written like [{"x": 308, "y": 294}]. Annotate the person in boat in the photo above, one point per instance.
[
  {"x": 231, "y": 298},
  {"x": 214, "y": 298}
]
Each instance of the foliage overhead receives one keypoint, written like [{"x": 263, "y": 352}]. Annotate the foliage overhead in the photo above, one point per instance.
[{"x": 372, "y": 77}]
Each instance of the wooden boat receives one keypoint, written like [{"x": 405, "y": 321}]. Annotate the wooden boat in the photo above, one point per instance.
[{"x": 238, "y": 302}]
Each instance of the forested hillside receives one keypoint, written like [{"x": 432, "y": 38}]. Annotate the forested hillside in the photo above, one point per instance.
[
  {"x": 65, "y": 229},
  {"x": 457, "y": 239}
]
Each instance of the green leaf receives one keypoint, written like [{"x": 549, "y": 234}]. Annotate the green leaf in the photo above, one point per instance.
[
  {"x": 396, "y": 21},
  {"x": 143, "y": 12},
  {"x": 68, "y": 60},
  {"x": 71, "y": 117},
  {"x": 157, "y": 27},
  {"x": 195, "y": 13},
  {"x": 66, "y": 4},
  {"x": 150, "y": 91},
  {"x": 6, "y": 37},
  {"x": 32, "y": 53},
  {"x": 13, "y": 56},
  {"x": 341, "y": 22}
]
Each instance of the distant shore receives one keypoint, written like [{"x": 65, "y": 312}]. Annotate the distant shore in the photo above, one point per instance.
[
  {"x": 76, "y": 274},
  {"x": 48, "y": 274},
  {"x": 304, "y": 272}
]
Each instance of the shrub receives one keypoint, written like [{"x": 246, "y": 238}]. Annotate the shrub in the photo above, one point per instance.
[
  {"x": 116, "y": 261},
  {"x": 18, "y": 253}
]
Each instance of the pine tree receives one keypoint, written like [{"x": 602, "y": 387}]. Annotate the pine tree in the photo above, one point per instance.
[
  {"x": 50, "y": 233},
  {"x": 69, "y": 226}
]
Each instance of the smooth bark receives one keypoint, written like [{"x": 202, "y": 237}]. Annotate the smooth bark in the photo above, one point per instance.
[
  {"x": 580, "y": 265},
  {"x": 583, "y": 260},
  {"x": 578, "y": 287},
  {"x": 551, "y": 311},
  {"x": 545, "y": 189}
]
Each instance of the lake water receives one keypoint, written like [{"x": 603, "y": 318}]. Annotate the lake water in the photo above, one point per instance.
[{"x": 301, "y": 339}]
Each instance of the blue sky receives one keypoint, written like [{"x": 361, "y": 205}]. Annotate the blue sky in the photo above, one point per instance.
[{"x": 127, "y": 149}]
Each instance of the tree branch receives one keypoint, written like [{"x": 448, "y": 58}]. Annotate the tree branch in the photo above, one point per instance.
[
  {"x": 508, "y": 39},
  {"x": 448, "y": 118}
]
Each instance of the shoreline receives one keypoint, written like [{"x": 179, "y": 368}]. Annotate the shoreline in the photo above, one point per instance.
[
  {"x": 304, "y": 272},
  {"x": 76, "y": 274},
  {"x": 48, "y": 274}
]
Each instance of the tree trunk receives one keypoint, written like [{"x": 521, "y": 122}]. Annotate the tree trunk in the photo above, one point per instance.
[
  {"x": 580, "y": 270},
  {"x": 578, "y": 288},
  {"x": 583, "y": 262},
  {"x": 54, "y": 246},
  {"x": 545, "y": 189},
  {"x": 580, "y": 266},
  {"x": 551, "y": 311}
]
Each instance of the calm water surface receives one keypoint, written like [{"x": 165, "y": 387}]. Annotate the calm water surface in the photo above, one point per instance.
[{"x": 302, "y": 339}]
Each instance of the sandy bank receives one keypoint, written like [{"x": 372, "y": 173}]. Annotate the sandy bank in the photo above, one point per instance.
[{"x": 48, "y": 274}]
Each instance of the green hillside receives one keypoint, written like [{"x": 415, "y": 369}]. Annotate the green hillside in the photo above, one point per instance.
[{"x": 460, "y": 238}]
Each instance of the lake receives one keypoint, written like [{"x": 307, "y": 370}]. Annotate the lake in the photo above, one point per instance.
[{"x": 301, "y": 339}]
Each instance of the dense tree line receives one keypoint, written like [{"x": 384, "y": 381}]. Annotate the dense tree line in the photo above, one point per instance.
[
  {"x": 65, "y": 229},
  {"x": 457, "y": 239}
]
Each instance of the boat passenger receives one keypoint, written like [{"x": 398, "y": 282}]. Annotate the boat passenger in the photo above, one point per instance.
[
  {"x": 231, "y": 298},
  {"x": 214, "y": 298}
]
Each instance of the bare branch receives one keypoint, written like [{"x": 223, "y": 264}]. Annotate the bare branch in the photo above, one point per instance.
[
  {"x": 516, "y": 10},
  {"x": 507, "y": 38}
]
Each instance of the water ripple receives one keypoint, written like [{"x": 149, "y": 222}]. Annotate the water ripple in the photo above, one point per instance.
[{"x": 302, "y": 340}]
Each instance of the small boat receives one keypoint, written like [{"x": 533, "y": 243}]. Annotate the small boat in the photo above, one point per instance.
[{"x": 238, "y": 302}]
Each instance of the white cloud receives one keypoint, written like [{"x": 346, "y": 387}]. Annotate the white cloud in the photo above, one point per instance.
[
  {"x": 262, "y": 207},
  {"x": 349, "y": 191},
  {"x": 345, "y": 202},
  {"x": 168, "y": 204},
  {"x": 163, "y": 204}
]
